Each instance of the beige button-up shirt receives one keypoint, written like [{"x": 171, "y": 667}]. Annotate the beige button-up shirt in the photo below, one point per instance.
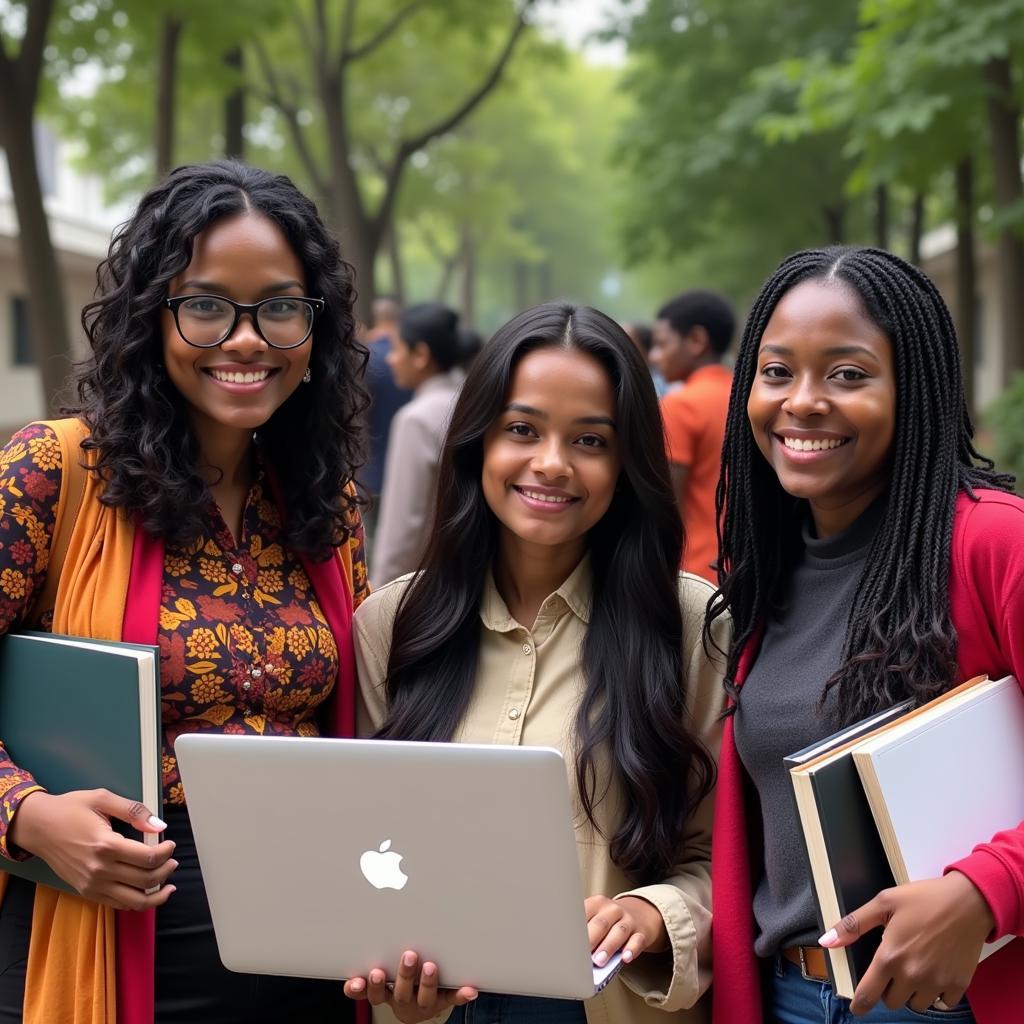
[
  {"x": 528, "y": 687},
  {"x": 410, "y": 477}
]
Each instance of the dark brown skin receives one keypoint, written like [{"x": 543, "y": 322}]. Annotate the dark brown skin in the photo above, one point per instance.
[{"x": 934, "y": 931}]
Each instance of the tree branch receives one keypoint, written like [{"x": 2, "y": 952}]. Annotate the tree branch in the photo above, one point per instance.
[
  {"x": 288, "y": 110},
  {"x": 314, "y": 42},
  {"x": 407, "y": 147},
  {"x": 30, "y": 56},
  {"x": 351, "y": 53},
  {"x": 348, "y": 27}
]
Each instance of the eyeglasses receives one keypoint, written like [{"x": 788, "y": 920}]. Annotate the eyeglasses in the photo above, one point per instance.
[{"x": 284, "y": 321}]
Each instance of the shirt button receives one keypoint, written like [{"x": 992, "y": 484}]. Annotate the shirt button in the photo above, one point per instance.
[
  {"x": 514, "y": 714},
  {"x": 527, "y": 649},
  {"x": 237, "y": 568},
  {"x": 247, "y": 685},
  {"x": 256, "y": 673}
]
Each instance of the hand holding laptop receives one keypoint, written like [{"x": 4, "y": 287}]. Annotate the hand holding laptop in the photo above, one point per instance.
[
  {"x": 629, "y": 924},
  {"x": 414, "y": 995}
]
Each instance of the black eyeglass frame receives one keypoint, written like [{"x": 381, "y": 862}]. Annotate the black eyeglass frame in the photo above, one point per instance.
[{"x": 252, "y": 308}]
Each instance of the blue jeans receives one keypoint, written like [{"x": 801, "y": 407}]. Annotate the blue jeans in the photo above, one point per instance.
[
  {"x": 496, "y": 1009},
  {"x": 795, "y": 1000}
]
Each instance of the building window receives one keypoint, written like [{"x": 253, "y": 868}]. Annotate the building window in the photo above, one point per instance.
[{"x": 21, "y": 338}]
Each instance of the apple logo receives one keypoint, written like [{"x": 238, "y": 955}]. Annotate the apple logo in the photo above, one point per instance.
[{"x": 380, "y": 867}]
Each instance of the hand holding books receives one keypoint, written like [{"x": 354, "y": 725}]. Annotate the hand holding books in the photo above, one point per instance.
[
  {"x": 72, "y": 833},
  {"x": 934, "y": 932}
]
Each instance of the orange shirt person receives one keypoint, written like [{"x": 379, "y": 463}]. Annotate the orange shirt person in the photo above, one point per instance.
[{"x": 691, "y": 335}]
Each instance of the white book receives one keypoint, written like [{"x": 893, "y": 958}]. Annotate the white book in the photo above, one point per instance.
[{"x": 947, "y": 777}]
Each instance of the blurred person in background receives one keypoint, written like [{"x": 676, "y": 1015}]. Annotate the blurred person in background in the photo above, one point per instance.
[
  {"x": 470, "y": 344},
  {"x": 424, "y": 358},
  {"x": 691, "y": 335},
  {"x": 643, "y": 337},
  {"x": 386, "y": 398}
]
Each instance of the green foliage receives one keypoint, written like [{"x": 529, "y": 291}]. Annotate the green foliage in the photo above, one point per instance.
[
  {"x": 1005, "y": 419},
  {"x": 721, "y": 186}
]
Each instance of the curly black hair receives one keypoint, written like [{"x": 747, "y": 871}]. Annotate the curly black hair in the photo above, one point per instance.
[
  {"x": 900, "y": 641},
  {"x": 147, "y": 452}
]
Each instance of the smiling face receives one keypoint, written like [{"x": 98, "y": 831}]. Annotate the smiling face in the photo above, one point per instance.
[
  {"x": 822, "y": 405},
  {"x": 551, "y": 458},
  {"x": 237, "y": 386}
]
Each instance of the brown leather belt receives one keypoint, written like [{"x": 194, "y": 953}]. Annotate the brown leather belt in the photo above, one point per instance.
[{"x": 811, "y": 961}]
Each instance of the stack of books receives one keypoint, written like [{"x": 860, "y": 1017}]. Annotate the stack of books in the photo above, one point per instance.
[{"x": 896, "y": 798}]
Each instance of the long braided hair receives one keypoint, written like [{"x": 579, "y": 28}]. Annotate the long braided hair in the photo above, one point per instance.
[{"x": 900, "y": 641}]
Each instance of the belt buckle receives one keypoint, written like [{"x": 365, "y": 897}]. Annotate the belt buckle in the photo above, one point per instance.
[{"x": 803, "y": 967}]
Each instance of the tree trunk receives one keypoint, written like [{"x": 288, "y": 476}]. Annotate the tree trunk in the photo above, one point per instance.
[
  {"x": 444, "y": 286},
  {"x": 394, "y": 249},
  {"x": 966, "y": 276},
  {"x": 834, "y": 217},
  {"x": 882, "y": 216},
  {"x": 51, "y": 343},
  {"x": 167, "y": 73},
  {"x": 917, "y": 227},
  {"x": 234, "y": 110},
  {"x": 1004, "y": 120},
  {"x": 468, "y": 310}
]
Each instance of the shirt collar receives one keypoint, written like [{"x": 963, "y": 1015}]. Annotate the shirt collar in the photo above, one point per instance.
[{"x": 573, "y": 595}]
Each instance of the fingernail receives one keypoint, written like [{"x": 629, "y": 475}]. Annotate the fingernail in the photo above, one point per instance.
[
  {"x": 376, "y": 977},
  {"x": 627, "y": 955},
  {"x": 428, "y": 970},
  {"x": 600, "y": 958},
  {"x": 157, "y": 823},
  {"x": 356, "y": 985},
  {"x": 409, "y": 959},
  {"x": 829, "y": 937}
]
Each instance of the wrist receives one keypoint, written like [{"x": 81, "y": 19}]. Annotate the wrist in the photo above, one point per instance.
[
  {"x": 972, "y": 901},
  {"x": 21, "y": 827}
]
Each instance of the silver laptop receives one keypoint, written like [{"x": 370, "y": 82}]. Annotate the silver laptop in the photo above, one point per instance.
[{"x": 325, "y": 858}]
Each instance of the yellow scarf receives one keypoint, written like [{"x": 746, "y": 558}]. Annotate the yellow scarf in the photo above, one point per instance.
[{"x": 71, "y": 960}]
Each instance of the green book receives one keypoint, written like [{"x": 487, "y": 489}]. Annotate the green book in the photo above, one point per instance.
[{"x": 81, "y": 714}]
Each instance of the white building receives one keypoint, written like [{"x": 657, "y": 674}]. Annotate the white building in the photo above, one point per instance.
[{"x": 80, "y": 228}]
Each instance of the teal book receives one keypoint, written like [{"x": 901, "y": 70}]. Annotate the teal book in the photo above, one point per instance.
[{"x": 81, "y": 714}]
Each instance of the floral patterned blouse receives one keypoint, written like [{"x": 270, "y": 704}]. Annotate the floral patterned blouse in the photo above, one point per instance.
[{"x": 244, "y": 645}]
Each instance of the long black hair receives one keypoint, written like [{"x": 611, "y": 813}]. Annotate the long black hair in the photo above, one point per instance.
[
  {"x": 900, "y": 641},
  {"x": 632, "y": 704},
  {"x": 148, "y": 454}
]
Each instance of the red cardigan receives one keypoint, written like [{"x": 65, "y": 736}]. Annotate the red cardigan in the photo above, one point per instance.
[{"x": 986, "y": 598}]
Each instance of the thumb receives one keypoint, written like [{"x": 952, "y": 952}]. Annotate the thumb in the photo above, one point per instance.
[
  {"x": 853, "y": 926},
  {"x": 133, "y": 812}
]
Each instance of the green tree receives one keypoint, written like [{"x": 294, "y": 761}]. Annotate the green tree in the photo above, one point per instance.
[{"x": 710, "y": 184}]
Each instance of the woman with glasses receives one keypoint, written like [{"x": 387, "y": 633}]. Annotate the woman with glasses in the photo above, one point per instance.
[{"x": 217, "y": 430}]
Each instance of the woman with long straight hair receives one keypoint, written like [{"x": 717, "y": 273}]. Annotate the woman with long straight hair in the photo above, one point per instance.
[
  {"x": 549, "y": 610},
  {"x": 870, "y": 555}
]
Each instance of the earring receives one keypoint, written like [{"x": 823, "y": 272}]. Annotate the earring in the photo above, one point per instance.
[{"x": 307, "y": 376}]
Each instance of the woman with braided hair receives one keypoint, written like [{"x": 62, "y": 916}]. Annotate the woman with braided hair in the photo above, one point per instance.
[
  {"x": 216, "y": 434},
  {"x": 869, "y": 554}
]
